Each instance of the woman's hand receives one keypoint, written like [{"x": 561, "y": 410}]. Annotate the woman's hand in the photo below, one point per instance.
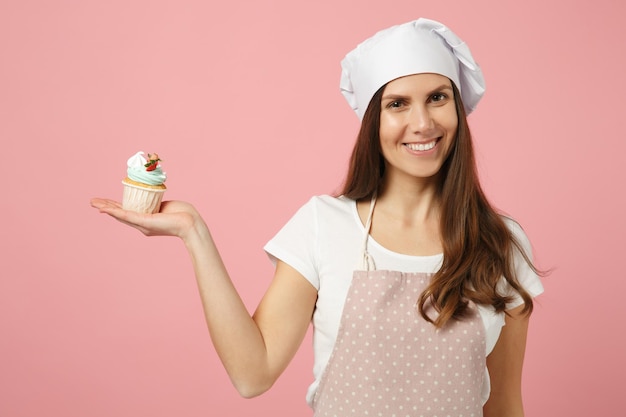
[{"x": 176, "y": 218}]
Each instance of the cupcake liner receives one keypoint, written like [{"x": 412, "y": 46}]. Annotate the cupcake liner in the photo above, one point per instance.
[{"x": 140, "y": 199}]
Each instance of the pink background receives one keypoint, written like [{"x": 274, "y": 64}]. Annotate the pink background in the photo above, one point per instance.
[{"x": 241, "y": 100}]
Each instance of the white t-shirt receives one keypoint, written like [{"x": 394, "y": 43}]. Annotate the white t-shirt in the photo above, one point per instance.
[{"x": 323, "y": 241}]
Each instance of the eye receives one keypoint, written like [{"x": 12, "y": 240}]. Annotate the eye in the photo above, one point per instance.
[
  {"x": 438, "y": 97},
  {"x": 395, "y": 104}
]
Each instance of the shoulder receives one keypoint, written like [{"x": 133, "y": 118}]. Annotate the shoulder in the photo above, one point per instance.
[
  {"x": 327, "y": 206},
  {"x": 526, "y": 274},
  {"x": 323, "y": 211},
  {"x": 518, "y": 233},
  {"x": 330, "y": 201}
]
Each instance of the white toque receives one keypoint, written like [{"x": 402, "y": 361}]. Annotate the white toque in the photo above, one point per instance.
[{"x": 420, "y": 46}]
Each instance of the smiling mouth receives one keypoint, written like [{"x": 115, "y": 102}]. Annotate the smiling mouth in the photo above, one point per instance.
[{"x": 422, "y": 146}]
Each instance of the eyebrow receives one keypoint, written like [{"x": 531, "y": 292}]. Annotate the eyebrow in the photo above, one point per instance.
[{"x": 434, "y": 90}]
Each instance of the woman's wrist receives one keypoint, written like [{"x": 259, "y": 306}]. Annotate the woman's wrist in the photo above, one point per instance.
[{"x": 196, "y": 233}]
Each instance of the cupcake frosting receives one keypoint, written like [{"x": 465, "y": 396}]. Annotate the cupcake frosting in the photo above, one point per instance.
[{"x": 137, "y": 171}]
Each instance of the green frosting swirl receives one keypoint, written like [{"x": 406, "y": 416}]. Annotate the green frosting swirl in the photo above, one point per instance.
[{"x": 139, "y": 174}]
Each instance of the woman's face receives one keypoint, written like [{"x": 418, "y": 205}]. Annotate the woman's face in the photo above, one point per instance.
[{"x": 418, "y": 125}]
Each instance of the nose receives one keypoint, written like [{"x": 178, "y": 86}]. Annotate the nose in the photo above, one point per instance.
[{"x": 420, "y": 119}]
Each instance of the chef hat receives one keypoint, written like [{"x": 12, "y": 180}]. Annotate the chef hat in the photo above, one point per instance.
[{"x": 420, "y": 46}]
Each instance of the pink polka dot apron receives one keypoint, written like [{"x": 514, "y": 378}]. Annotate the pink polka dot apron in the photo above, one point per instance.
[{"x": 389, "y": 362}]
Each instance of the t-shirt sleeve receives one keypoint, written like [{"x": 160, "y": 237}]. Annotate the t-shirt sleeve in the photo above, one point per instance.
[
  {"x": 296, "y": 243},
  {"x": 525, "y": 275}
]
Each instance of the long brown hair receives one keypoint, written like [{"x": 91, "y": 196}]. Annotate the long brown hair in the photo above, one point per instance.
[{"x": 478, "y": 247}]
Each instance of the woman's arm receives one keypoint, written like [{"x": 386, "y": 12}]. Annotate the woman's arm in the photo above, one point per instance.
[
  {"x": 505, "y": 368},
  {"x": 254, "y": 350}
]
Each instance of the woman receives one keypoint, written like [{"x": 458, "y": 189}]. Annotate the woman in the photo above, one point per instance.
[{"x": 419, "y": 292}]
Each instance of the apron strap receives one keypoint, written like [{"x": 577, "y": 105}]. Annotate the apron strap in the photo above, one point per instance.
[{"x": 367, "y": 262}]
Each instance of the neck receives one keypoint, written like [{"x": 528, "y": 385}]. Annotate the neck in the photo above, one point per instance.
[{"x": 413, "y": 200}]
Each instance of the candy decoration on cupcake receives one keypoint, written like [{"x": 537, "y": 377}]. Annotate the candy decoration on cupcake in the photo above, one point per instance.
[{"x": 153, "y": 162}]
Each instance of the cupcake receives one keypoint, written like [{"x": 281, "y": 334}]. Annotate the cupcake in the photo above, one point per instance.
[{"x": 143, "y": 185}]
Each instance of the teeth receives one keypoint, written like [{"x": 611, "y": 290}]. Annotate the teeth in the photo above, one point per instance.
[{"x": 421, "y": 146}]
